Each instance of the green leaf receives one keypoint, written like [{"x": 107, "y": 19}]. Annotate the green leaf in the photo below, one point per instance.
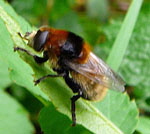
[
  {"x": 135, "y": 65},
  {"x": 33, "y": 11},
  {"x": 144, "y": 103},
  {"x": 59, "y": 94},
  {"x": 123, "y": 37},
  {"x": 70, "y": 22},
  {"x": 97, "y": 9},
  {"x": 20, "y": 72},
  {"x": 59, "y": 9},
  {"x": 144, "y": 125},
  {"x": 13, "y": 117},
  {"x": 48, "y": 119},
  {"x": 120, "y": 111},
  {"x": 4, "y": 75}
]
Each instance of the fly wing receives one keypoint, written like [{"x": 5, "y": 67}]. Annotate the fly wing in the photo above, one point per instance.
[{"x": 96, "y": 70}]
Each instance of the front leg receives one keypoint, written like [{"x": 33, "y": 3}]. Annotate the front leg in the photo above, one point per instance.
[{"x": 37, "y": 59}]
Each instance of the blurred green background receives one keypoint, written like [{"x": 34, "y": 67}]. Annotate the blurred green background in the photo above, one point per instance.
[{"x": 98, "y": 22}]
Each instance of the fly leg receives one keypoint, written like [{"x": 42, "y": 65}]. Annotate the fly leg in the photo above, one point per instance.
[
  {"x": 73, "y": 106},
  {"x": 76, "y": 88},
  {"x": 47, "y": 76},
  {"x": 37, "y": 59}
]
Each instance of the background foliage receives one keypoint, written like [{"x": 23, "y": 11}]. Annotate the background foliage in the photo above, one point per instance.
[{"x": 46, "y": 108}]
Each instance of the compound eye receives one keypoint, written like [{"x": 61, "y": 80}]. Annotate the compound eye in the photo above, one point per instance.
[{"x": 40, "y": 39}]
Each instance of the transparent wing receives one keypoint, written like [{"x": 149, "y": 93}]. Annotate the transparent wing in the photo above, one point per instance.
[{"x": 96, "y": 70}]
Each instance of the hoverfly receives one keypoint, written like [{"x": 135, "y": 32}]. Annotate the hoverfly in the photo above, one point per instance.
[{"x": 71, "y": 58}]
